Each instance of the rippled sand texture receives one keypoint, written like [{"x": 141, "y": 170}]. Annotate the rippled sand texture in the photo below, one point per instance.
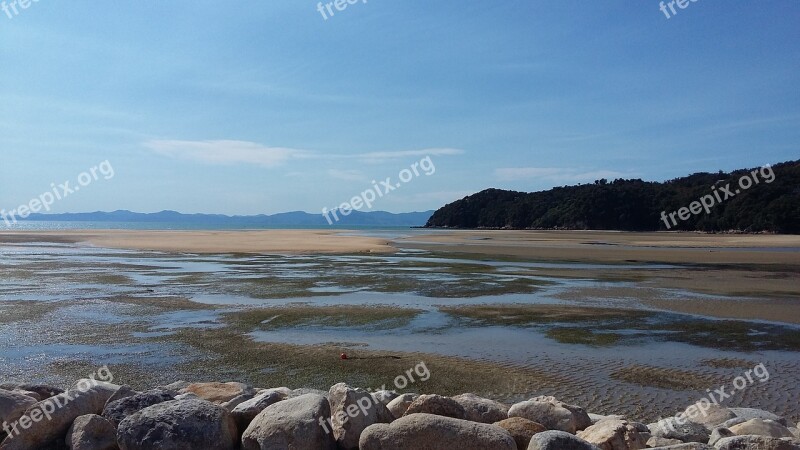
[{"x": 608, "y": 336}]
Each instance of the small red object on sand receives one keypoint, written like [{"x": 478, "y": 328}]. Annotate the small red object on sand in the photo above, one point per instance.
[{"x": 344, "y": 356}]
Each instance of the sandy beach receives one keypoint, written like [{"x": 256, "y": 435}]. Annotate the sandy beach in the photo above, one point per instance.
[
  {"x": 579, "y": 246},
  {"x": 251, "y": 241},
  {"x": 755, "y": 275},
  {"x": 596, "y": 318},
  {"x": 605, "y": 246}
]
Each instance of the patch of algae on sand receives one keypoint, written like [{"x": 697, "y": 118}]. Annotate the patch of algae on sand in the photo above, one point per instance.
[
  {"x": 660, "y": 377},
  {"x": 333, "y": 316},
  {"x": 601, "y": 324},
  {"x": 236, "y": 356}
]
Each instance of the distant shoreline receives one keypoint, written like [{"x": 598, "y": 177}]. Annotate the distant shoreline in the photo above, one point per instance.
[
  {"x": 210, "y": 241},
  {"x": 579, "y": 246}
]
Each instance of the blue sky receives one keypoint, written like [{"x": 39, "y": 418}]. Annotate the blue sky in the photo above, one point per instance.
[{"x": 261, "y": 107}]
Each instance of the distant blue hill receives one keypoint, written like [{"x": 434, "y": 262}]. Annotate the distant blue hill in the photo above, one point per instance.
[{"x": 288, "y": 219}]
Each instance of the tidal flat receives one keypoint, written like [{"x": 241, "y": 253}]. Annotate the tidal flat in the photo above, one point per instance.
[{"x": 614, "y": 337}]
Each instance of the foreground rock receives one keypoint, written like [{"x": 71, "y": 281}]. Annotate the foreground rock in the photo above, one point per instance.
[
  {"x": 211, "y": 416},
  {"x": 124, "y": 391},
  {"x": 719, "y": 433},
  {"x": 658, "y": 442},
  {"x": 754, "y": 443},
  {"x": 92, "y": 432},
  {"x": 295, "y": 423},
  {"x": 352, "y": 411},
  {"x": 522, "y": 430},
  {"x": 684, "y": 431},
  {"x": 51, "y": 418},
  {"x": 709, "y": 415},
  {"x": 422, "y": 431},
  {"x": 438, "y": 405},
  {"x": 761, "y": 427},
  {"x": 559, "y": 440},
  {"x": 43, "y": 391},
  {"x": 385, "y": 396},
  {"x": 686, "y": 446},
  {"x": 400, "y": 405},
  {"x": 179, "y": 425},
  {"x": 754, "y": 413},
  {"x": 218, "y": 392},
  {"x": 117, "y": 410},
  {"x": 553, "y": 414},
  {"x": 479, "y": 409},
  {"x": 614, "y": 434},
  {"x": 13, "y": 405},
  {"x": 245, "y": 412}
]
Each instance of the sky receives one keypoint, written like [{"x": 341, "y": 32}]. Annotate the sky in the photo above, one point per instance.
[{"x": 254, "y": 107}]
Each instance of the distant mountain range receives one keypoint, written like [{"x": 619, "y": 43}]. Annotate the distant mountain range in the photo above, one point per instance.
[
  {"x": 746, "y": 200},
  {"x": 289, "y": 219}
]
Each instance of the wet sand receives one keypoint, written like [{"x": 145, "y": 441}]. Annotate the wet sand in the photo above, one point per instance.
[
  {"x": 251, "y": 241},
  {"x": 155, "y": 317},
  {"x": 576, "y": 246},
  {"x": 607, "y": 246}
]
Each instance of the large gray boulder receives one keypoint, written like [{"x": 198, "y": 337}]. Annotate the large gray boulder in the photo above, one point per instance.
[
  {"x": 44, "y": 391},
  {"x": 296, "y": 423},
  {"x": 483, "y": 410},
  {"x": 218, "y": 392},
  {"x": 179, "y": 425},
  {"x": 438, "y": 405},
  {"x": 522, "y": 430},
  {"x": 686, "y": 446},
  {"x": 754, "y": 443},
  {"x": 50, "y": 419},
  {"x": 303, "y": 391},
  {"x": 755, "y": 413},
  {"x": 124, "y": 391},
  {"x": 245, "y": 412},
  {"x": 13, "y": 405},
  {"x": 92, "y": 432},
  {"x": 176, "y": 386},
  {"x": 613, "y": 434},
  {"x": 352, "y": 411},
  {"x": 559, "y": 440},
  {"x": 553, "y": 414},
  {"x": 236, "y": 401},
  {"x": 422, "y": 431},
  {"x": 657, "y": 442},
  {"x": 708, "y": 414},
  {"x": 598, "y": 417},
  {"x": 400, "y": 405},
  {"x": 762, "y": 427},
  {"x": 385, "y": 396},
  {"x": 731, "y": 422},
  {"x": 682, "y": 430},
  {"x": 719, "y": 433},
  {"x": 116, "y": 411}
]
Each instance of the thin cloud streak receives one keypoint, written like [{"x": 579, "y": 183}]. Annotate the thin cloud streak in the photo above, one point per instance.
[{"x": 227, "y": 152}]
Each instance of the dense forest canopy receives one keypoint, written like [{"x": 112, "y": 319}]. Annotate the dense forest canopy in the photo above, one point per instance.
[{"x": 636, "y": 205}]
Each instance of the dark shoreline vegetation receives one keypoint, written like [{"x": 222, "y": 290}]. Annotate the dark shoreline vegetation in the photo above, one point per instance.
[{"x": 636, "y": 205}]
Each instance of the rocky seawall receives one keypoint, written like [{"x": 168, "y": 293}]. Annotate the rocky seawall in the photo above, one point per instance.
[{"x": 97, "y": 415}]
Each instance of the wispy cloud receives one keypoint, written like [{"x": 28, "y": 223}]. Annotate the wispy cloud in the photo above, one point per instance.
[
  {"x": 246, "y": 152},
  {"x": 382, "y": 156},
  {"x": 555, "y": 174},
  {"x": 226, "y": 152},
  {"x": 346, "y": 174}
]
